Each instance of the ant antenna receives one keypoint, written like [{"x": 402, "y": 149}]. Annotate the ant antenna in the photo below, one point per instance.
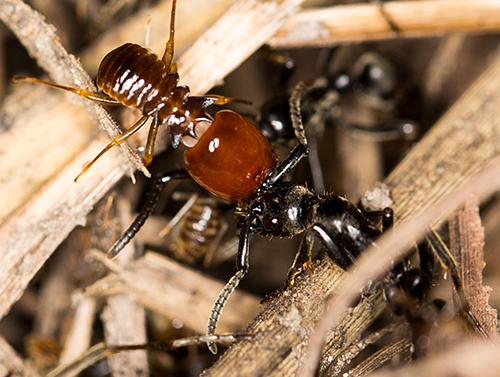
[
  {"x": 294, "y": 105},
  {"x": 219, "y": 304}
]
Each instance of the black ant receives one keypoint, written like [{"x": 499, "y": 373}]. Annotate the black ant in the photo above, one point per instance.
[
  {"x": 284, "y": 209},
  {"x": 373, "y": 84},
  {"x": 230, "y": 157}
]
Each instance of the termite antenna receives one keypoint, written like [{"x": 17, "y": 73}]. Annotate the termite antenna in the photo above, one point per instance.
[
  {"x": 168, "y": 55},
  {"x": 148, "y": 32}
]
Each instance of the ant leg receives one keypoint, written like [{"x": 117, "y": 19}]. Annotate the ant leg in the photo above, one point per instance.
[
  {"x": 303, "y": 258},
  {"x": 405, "y": 290},
  {"x": 301, "y": 149},
  {"x": 448, "y": 261},
  {"x": 387, "y": 215},
  {"x": 232, "y": 284},
  {"x": 146, "y": 210},
  {"x": 96, "y": 97},
  {"x": 116, "y": 141}
]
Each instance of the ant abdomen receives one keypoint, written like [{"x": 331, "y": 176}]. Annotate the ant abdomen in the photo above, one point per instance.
[{"x": 136, "y": 77}]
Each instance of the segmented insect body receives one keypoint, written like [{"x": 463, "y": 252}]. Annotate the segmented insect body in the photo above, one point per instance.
[
  {"x": 198, "y": 233},
  {"x": 134, "y": 76},
  {"x": 137, "y": 77}
]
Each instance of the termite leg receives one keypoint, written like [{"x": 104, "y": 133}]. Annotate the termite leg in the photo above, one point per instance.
[
  {"x": 116, "y": 141},
  {"x": 150, "y": 145},
  {"x": 96, "y": 97}
]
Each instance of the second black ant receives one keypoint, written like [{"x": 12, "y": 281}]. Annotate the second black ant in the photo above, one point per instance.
[{"x": 365, "y": 101}]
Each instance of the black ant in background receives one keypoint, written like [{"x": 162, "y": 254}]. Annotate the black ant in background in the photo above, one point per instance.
[
  {"x": 230, "y": 157},
  {"x": 373, "y": 83}
]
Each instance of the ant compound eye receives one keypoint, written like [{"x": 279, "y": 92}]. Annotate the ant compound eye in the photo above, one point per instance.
[{"x": 270, "y": 223}]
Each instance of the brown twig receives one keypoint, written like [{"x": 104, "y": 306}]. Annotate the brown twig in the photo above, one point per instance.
[
  {"x": 174, "y": 291},
  {"x": 124, "y": 317},
  {"x": 466, "y": 245},
  {"x": 362, "y": 22},
  {"x": 280, "y": 332}
]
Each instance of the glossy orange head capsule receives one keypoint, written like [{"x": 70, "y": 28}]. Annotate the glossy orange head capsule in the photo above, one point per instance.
[{"x": 232, "y": 159}]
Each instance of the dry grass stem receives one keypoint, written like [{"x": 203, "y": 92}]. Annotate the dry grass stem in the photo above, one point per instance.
[
  {"x": 175, "y": 291},
  {"x": 124, "y": 317},
  {"x": 361, "y": 22},
  {"x": 466, "y": 245},
  {"x": 80, "y": 333}
]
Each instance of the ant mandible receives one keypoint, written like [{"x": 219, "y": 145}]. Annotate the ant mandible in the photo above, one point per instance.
[{"x": 229, "y": 157}]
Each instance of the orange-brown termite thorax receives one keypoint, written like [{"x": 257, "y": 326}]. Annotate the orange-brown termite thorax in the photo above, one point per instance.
[{"x": 138, "y": 78}]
